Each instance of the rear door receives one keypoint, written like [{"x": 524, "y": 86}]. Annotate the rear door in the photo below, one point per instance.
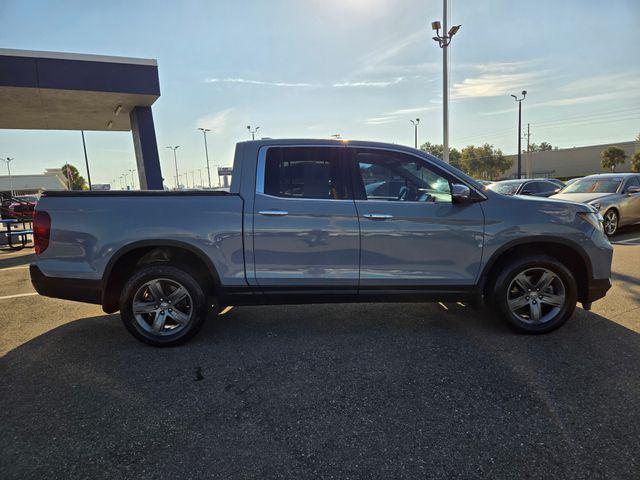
[
  {"x": 306, "y": 234},
  {"x": 413, "y": 235}
]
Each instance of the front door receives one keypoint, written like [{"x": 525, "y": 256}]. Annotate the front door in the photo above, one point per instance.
[
  {"x": 305, "y": 227},
  {"x": 412, "y": 234}
]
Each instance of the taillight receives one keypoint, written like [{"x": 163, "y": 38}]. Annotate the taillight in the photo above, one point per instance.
[{"x": 41, "y": 231}]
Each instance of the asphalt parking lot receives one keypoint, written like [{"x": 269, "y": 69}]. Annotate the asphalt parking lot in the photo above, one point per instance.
[{"x": 323, "y": 391}]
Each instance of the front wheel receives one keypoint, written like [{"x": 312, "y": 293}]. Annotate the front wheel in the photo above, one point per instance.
[
  {"x": 611, "y": 222},
  {"x": 163, "y": 305},
  {"x": 535, "y": 294}
]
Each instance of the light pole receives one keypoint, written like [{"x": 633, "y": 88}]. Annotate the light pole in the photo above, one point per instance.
[
  {"x": 206, "y": 153},
  {"x": 133, "y": 180},
  {"x": 253, "y": 132},
  {"x": 200, "y": 174},
  {"x": 415, "y": 124},
  {"x": 175, "y": 162},
  {"x": 8, "y": 160},
  {"x": 444, "y": 41},
  {"x": 519, "y": 101},
  {"x": 123, "y": 182},
  {"x": 86, "y": 160}
]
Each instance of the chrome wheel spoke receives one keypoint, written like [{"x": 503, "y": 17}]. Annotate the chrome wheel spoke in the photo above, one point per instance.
[
  {"x": 144, "y": 307},
  {"x": 552, "y": 300},
  {"x": 156, "y": 290},
  {"x": 535, "y": 311},
  {"x": 179, "y": 316},
  {"x": 523, "y": 282},
  {"x": 177, "y": 295},
  {"x": 159, "y": 321},
  {"x": 545, "y": 280},
  {"x": 518, "y": 302}
]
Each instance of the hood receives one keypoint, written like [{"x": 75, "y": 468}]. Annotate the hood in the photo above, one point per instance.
[{"x": 580, "y": 197}]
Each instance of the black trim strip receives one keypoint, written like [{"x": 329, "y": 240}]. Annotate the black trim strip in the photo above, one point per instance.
[{"x": 137, "y": 193}]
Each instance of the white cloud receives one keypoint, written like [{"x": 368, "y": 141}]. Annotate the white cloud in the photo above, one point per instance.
[
  {"x": 493, "y": 85},
  {"x": 217, "y": 122},
  {"x": 345, "y": 84},
  {"x": 397, "y": 115},
  {"x": 369, "y": 83},
  {"x": 259, "y": 82},
  {"x": 377, "y": 57}
]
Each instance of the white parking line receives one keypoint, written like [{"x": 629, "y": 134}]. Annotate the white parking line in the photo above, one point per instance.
[
  {"x": 14, "y": 268},
  {"x": 17, "y": 295},
  {"x": 628, "y": 241}
]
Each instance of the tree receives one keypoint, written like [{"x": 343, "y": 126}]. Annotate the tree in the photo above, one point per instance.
[
  {"x": 437, "y": 150},
  {"x": 543, "y": 147},
  {"x": 635, "y": 162},
  {"x": 77, "y": 181},
  {"x": 612, "y": 157},
  {"x": 484, "y": 161}
]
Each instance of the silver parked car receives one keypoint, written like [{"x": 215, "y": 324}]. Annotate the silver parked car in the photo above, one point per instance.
[{"x": 615, "y": 195}]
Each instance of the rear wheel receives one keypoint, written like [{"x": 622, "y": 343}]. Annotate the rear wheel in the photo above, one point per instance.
[
  {"x": 535, "y": 294},
  {"x": 163, "y": 305},
  {"x": 611, "y": 221}
]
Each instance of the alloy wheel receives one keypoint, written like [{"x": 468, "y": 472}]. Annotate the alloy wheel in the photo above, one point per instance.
[
  {"x": 162, "y": 307},
  {"x": 610, "y": 222},
  {"x": 536, "y": 296}
]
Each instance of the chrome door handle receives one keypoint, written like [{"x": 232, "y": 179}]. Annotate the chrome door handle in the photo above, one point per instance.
[
  {"x": 377, "y": 216},
  {"x": 274, "y": 213}
]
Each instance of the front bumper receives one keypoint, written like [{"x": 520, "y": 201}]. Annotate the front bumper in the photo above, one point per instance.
[
  {"x": 597, "y": 289},
  {"x": 77, "y": 289}
]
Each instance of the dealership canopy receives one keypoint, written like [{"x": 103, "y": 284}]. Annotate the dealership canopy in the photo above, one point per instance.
[{"x": 68, "y": 91}]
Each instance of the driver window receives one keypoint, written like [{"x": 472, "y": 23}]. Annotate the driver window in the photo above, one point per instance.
[{"x": 398, "y": 177}]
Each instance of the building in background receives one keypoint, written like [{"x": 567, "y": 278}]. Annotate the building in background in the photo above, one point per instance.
[
  {"x": 569, "y": 162},
  {"x": 51, "y": 179}
]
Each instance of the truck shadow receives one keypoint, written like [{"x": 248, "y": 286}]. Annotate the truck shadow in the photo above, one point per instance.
[
  {"x": 266, "y": 389},
  {"x": 8, "y": 258}
]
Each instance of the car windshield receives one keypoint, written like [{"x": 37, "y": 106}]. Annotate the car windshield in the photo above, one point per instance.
[
  {"x": 594, "y": 185},
  {"x": 27, "y": 198},
  {"x": 505, "y": 188}
]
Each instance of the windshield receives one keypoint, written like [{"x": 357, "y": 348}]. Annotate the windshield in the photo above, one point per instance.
[
  {"x": 594, "y": 185},
  {"x": 505, "y": 188}
]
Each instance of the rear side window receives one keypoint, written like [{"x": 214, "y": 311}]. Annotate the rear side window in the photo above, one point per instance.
[
  {"x": 633, "y": 182},
  {"x": 304, "y": 172}
]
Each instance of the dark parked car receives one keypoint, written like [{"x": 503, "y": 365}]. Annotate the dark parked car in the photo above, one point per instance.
[{"x": 537, "y": 187}]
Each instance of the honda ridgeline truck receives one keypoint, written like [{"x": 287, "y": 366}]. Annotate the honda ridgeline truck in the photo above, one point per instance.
[{"x": 312, "y": 221}]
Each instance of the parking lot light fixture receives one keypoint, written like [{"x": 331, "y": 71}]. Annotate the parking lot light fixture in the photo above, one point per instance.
[
  {"x": 206, "y": 153},
  {"x": 519, "y": 102},
  {"x": 253, "y": 131},
  {"x": 443, "y": 41},
  {"x": 415, "y": 124},
  {"x": 8, "y": 160},
  {"x": 175, "y": 162}
]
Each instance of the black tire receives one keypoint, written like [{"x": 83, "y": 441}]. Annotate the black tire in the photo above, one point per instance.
[
  {"x": 197, "y": 305},
  {"x": 534, "y": 263},
  {"x": 613, "y": 213}
]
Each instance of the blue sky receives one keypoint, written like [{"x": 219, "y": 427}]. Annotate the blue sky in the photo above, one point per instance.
[{"x": 360, "y": 68}]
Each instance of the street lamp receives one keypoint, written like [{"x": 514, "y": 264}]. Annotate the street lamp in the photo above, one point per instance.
[
  {"x": 8, "y": 160},
  {"x": 443, "y": 41},
  {"x": 253, "y": 132},
  {"x": 200, "y": 174},
  {"x": 519, "y": 101},
  {"x": 206, "y": 152},
  {"x": 133, "y": 180},
  {"x": 175, "y": 162},
  {"x": 415, "y": 124}
]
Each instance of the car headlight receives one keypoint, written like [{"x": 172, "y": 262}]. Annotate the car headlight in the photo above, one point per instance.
[{"x": 594, "y": 218}]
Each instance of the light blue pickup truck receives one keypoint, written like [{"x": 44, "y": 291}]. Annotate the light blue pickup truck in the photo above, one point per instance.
[{"x": 311, "y": 221}]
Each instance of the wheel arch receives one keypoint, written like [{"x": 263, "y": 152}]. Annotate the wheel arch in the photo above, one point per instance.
[
  {"x": 569, "y": 253},
  {"x": 134, "y": 254}
]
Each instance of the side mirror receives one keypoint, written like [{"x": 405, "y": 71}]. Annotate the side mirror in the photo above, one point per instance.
[
  {"x": 460, "y": 193},
  {"x": 633, "y": 189}
]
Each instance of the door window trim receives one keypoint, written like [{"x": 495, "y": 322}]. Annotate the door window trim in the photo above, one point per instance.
[
  {"x": 262, "y": 162},
  {"x": 354, "y": 171}
]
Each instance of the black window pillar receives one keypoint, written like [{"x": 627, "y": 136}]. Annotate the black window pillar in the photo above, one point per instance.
[{"x": 144, "y": 142}]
